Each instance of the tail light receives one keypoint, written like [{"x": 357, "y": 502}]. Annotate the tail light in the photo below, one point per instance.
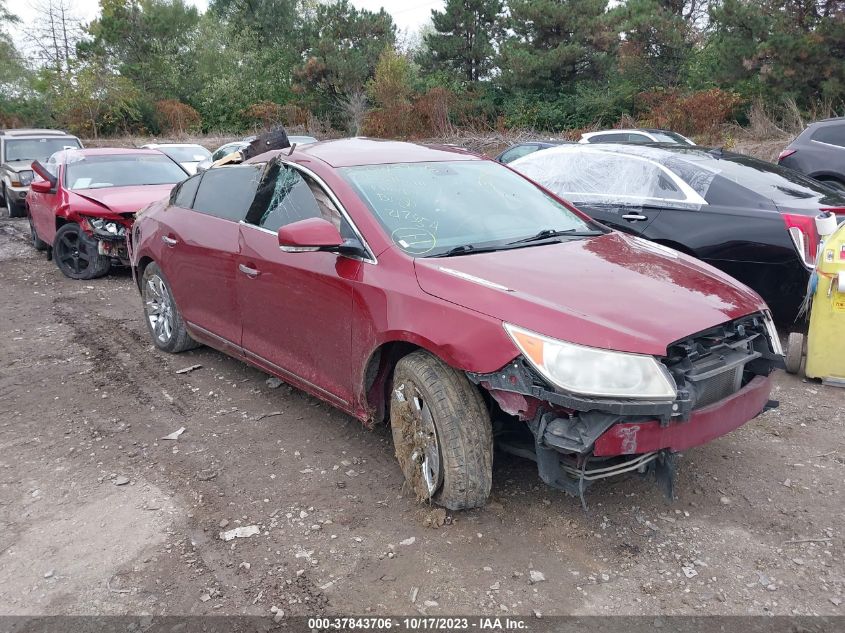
[
  {"x": 802, "y": 230},
  {"x": 786, "y": 154}
]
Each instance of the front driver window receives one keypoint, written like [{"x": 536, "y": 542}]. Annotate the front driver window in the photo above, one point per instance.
[{"x": 286, "y": 195}]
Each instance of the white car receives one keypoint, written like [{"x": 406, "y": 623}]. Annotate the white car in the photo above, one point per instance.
[
  {"x": 235, "y": 146},
  {"x": 189, "y": 155},
  {"x": 636, "y": 135}
]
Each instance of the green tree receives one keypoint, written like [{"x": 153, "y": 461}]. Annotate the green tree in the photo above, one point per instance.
[
  {"x": 463, "y": 37},
  {"x": 657, "y": 42},
  {"x": 556, "y": 43},
  {"x": 778, "y": 48},
  {"x": 92, "y": 100},
  {"x": 342, "y": 48},
  {"x": 148, "y": 42}
]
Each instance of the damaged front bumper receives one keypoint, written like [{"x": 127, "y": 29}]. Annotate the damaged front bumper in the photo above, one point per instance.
[
  {"x": 723, "y": 381},
  {"x": 111, "y": 236}
]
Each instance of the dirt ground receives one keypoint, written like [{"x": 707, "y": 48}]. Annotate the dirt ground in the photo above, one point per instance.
[{"x": 85, "y": 401}]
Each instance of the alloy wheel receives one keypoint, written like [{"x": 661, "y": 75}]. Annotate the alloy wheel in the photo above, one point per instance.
[
  {"x": 159, "y": 308},
  {"x": 74, "y": 253},
  {"x": 421, "y": 434}
]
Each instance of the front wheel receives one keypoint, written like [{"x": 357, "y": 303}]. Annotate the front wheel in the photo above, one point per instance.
[
  {"x": 163, "y": 319},
  {"x": 76, "y": 254},
  {"x": 441, "y": 433}
]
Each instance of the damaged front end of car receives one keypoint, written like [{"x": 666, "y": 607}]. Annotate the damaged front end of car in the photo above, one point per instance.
[
  {"x": 584, "y": 414},
  {"x": 110, "y": 234}
]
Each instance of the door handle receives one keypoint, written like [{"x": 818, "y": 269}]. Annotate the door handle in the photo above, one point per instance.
[
  {"x": 248, "y": 271},
  {"x": 634, "y": 217},
  {"x": 169, "y": 240}
]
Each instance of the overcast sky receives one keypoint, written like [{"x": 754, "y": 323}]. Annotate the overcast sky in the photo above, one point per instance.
[{"x": 407, "y": 14}]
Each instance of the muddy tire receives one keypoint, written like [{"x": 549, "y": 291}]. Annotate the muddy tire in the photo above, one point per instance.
[
  {"x": 37, "y": 243},
  {"x": 163, "y": 319},
  {"x": 441, "y": 433},
  {"x": 75, "y": 253},
  {"x": 794, "y": 352}
]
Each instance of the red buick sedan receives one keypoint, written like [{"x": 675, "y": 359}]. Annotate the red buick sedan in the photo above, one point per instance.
[
  {"x": 462, "y": 302},
  {"x": 82, "y": 201}
]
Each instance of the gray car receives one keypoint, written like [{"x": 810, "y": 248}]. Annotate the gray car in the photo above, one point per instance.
[
  {"x": 819, "y": 152},
  {"x": 18, "y": 148}
]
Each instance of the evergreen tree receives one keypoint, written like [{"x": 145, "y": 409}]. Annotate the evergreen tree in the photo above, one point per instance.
[
  {"x": 556, "y": 43},
  {"x": 463, "y": 38}
]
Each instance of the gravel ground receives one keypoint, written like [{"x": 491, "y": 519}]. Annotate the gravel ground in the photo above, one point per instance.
[{"x": 100, "y": 515}]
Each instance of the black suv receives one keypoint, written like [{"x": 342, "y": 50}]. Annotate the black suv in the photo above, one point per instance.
[{"x": 819, "y": 152}]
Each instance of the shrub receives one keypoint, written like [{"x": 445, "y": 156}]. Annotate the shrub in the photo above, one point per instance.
[
  {"x": 176, "y": 117},
  {"x": 699, "y": 113},
  {"x": 264, "y": 114}
]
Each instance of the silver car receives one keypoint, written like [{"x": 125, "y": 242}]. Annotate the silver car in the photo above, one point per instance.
[
  {"x": 189, "y": 155},
  {"x": 18, "y": 148},
  {"x": 234, "y": 146}
]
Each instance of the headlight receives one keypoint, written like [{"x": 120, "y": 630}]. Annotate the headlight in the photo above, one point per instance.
[
  {"x": 594, "y": 372},
  {"x": 774, "y": 339},
  {"x": 25, "y": 177},
  {"x": 106, "y": 228}
]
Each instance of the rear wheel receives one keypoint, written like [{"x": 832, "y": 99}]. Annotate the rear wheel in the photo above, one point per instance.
[
  {"x": 76, "y": 255},
  {"x": 163, "y": 319},
  {"x": 441, "y": 433},
  {"x": 37, "y": 243}
]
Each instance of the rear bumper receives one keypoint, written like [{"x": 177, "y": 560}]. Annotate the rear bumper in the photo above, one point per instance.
[{"x": 704, "y": 425}]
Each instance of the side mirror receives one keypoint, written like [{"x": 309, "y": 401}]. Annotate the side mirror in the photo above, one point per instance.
[
  {"x": 313, "y": 234},
  {"x": 317, "y": 234},
  {"x": 42, "y": 171},
  {"x": 41, "y": 186}
]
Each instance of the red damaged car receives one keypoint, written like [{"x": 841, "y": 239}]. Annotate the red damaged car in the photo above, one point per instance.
[
  {"x": 82, "y": 202},
  {"x": 460, "y": 301}
]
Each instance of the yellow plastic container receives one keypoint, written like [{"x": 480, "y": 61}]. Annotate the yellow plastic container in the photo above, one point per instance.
[{"x": 826, "y": 334}]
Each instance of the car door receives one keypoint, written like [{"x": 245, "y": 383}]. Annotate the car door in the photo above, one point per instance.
[
  {"x": 42, "y": 206},
  {"x": 296, "y": 307},
  {"x": 622, "y": 191},
  {"x": 200, "y": 247}
]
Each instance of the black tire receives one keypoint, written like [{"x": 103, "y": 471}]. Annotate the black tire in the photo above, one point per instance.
[
  {"x": 3, "y": 194},
  {"x": 37, "y": 243},
  {"x": 440, "y": 423},
  {"x": 794, "y": 352},
  {"x": 75, "y": 253},
  {"x": 16, "y": 209},
  {"x": 162, "y": 316}
]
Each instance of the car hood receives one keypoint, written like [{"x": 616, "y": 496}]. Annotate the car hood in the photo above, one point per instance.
[
  {"x": 125, "y": 199},
  {"x": 612, "y": 292},
  {"x": 19, "y": 165}
]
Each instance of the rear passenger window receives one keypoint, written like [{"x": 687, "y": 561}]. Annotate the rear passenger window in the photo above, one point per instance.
[
  {"x": 183, "y": 194},
  {"x": 287, "y": 195},
  {"x": 608, "y": 138},
  {"x": 227, "y": 192},
  {"x": 830, "y": 134}
]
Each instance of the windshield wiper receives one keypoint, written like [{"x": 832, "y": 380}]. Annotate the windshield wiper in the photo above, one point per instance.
[
  {"x": 466, "y": 249},
  {"x": 546, "y": 234}
]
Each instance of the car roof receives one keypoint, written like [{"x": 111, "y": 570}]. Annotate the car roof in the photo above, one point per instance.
[
  {"x": 157, "y": 145},
  {"x": 33, "y": 132},
  {"x": 351, "y": 152},
  {"x": 831, "y": 120},
  {"x": 78, "y": 154}
]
